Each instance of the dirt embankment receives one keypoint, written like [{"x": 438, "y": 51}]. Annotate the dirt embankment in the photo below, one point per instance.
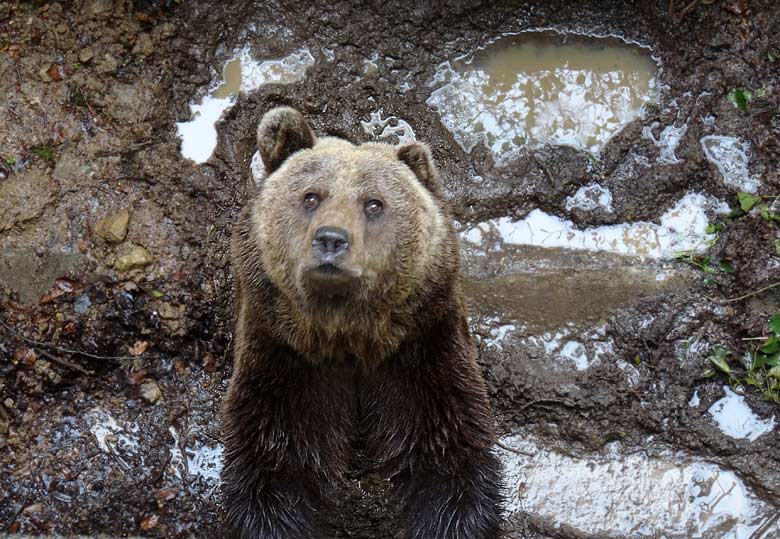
[{"x": 114, "y": 245}]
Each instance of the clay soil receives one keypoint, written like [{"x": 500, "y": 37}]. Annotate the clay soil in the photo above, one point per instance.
[{"x": 89, "y": 95}]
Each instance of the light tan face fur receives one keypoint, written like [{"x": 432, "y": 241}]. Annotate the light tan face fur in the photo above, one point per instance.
[{"x": 388, "y": 253}]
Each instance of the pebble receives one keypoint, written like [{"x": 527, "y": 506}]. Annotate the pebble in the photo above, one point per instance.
[
  {"x": 108, "y": 65},
  {"x": 150, "y": 392},
  {"x": 85, "y": 55},
  {"x": 82, "y": 304},
  {"x": 113, "y": 228},
  {"x": 137, "y": 257},
  {"x": 143, "y": 45}
]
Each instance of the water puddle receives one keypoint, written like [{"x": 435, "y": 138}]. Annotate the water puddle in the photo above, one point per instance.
[
  {"x": 241, "y": 73},
  {"x": 668, "y": 140},
  {"x": 736, "y": 419},
  {"x": 589, "y": 198},
  {"x": 730, "y": 156},
  {"x": 651, "y": 494},
  {"x": 202, "y": 461},
  {"x": 119, "y": 440},
  {"x": 538, "y": 88},
  {"x": 392, "y": 129},
  {"x": 682, "y": 228}
]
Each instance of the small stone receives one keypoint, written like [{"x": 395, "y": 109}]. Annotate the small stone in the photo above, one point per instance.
[
  {"x": 113, "y": 228},
  {"x": 85, "y": 55},
  {"x": 165, "y": 30},
  {"x": 82, "y": 304},
  {"x": 54, "y": 72},
  {"x": 109, "y": 64},
  {"x": 169, "y": 311},
  {"x": 9, "y": 403},
  {"x": 34, "y": 508},
  {"x": 62, "y": 28},
  {"x": 150, "y": 392},
  {"x": 137, "y": 257},
  {"x": 44, "y": 74},
  {"x": 143, "y": 45}
]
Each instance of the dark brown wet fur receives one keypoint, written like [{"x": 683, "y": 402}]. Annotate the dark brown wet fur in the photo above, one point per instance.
[{"x": 421, "y": 410}]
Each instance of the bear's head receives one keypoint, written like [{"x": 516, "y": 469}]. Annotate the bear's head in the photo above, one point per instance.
[{"x": 354, "y": 237}]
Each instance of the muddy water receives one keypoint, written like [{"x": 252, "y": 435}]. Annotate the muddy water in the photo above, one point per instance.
[
  {"x": 655, "y": 493},
  {"x": 241, "y": 73},
  {"x": 544, "y": 88}
]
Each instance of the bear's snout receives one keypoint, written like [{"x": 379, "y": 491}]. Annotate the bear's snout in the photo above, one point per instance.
[{"x": 330, "y": 244}]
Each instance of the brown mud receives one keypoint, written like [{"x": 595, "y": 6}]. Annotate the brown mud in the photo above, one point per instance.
[{"x": 120, "y": 440}]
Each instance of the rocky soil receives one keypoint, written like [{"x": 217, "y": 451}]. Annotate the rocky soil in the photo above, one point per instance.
[{"x": 115, "y": 290}]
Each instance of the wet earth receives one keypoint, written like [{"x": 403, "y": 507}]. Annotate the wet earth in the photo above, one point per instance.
[{"x": 594, "y": 333}]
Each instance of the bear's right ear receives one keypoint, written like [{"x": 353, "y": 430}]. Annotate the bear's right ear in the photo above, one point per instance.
[
  {"x": 417, "y": 156},
  {"x": 282, "y": 132}
]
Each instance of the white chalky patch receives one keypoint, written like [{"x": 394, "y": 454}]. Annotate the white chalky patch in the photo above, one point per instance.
[{"x": 730, "y": 156}]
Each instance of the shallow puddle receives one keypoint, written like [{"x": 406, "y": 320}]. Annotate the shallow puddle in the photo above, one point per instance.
[
  {"x": 538, "y": 88},
  {"x": 241, "y": 73},
  {"x": 736, "y": 419},
  {"x": 682, "y": 228},
  {"x": 655, "y": 493},
  {"x": 730, "y": 156}
]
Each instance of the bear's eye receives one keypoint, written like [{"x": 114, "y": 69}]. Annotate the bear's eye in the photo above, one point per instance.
[
  {"x": 373, "y": 208},
  {"x": 311, "y": 201}
]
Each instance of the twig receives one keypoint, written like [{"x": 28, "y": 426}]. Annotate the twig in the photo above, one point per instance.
[
  {"x": 749, "y": 294},
  {"x": 513, "y": 450},
  {"x": 130, "y": 149},
  {"x": 64, "y": 362},
  {"x": 687, "y": 9},
  {"x": 69, "y": 350},
  {"x": 764, "y": 527},
  {"x": 545, "y": 401}
]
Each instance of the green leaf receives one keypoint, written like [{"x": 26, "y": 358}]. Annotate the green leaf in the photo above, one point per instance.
[
  {"x": 739, "y": 97},
  {"x": 709, "y": 373},
  {"x": 726, "y": 267},
  {"x": 747, "y": 201},
  {"x": 773, "y": 360},
  {"x": 777, "y": 247},
  {"x": 718, "y": 358},
  {"x": 761, "y": 92},
  {"x": 708, "y": 281},
  {"x": 774, "y": 324},
  {"x": 774, "y": 372},
  {"x": 156, "y": 294},
  {"x": 712, "y": 228},
  {"x": 759, "y": 361},
  {"x": 11, "y": 160},
  {"x": 770, "y": 346},
  {"x": 763, "y": 209}
]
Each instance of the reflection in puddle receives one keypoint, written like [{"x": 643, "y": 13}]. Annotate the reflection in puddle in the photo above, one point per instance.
[
  {"x": 736, "y": 419},
  {"x": 634, "y": 495},
  {"x": 202, "y": 461},
  {"x": 111, "y": 437},
  {"x": 540, "y": 88},
  {"x": 730, "y": 156},
  {"x": 392, "y": 129},
  {"x": 240, "y": 74},
  {"x": 682, "y": 228},
  {"x": 668, "y": 140},
  {"x": 590, "y": 197}
]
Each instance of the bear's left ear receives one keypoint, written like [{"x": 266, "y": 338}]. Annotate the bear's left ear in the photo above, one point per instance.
[
  {"x": 282, "y": 132},
  {"x": 417, "y": 157}
]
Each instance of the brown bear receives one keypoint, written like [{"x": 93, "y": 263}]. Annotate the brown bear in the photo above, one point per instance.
[{"x": 352, "y": 328}]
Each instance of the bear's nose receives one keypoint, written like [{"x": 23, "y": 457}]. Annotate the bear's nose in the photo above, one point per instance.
[{"x": 330, "y": 243}]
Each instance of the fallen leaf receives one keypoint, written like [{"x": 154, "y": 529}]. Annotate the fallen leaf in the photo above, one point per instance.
[
  {"x": 149, "y": 522},
  {"x": 138, "y": 348}
]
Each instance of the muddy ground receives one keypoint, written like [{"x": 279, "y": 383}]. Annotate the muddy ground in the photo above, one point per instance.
[{"x": 136, "y": 329}]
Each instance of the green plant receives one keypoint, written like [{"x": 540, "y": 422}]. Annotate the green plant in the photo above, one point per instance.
[
  {"x": 741, "y": 97},
  {"x": 763, "y": 363},
  {"x": 44, "y": 152}
]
